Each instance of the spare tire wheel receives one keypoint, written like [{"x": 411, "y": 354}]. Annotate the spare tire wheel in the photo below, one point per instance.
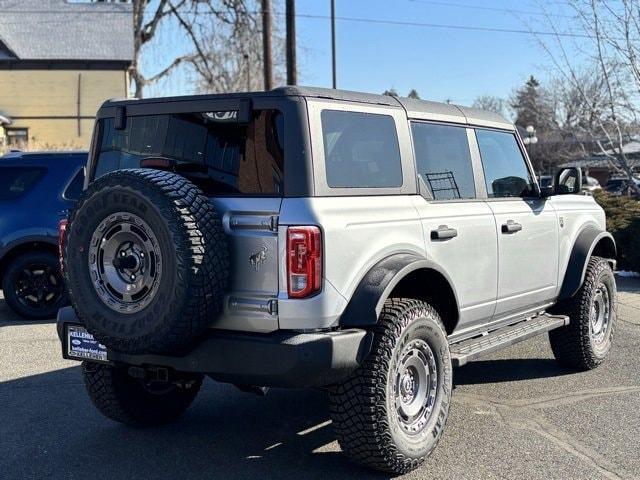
[{"x": 146, "y": 261}]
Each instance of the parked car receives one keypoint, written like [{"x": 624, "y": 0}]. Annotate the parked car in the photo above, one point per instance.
[
  {"x": 620, "y": 186},
  {"x": 545, "y": 181},
  {"x": 320, "y": 238},
  {"x": 36, "y": 190},
  {"x": 590, "y": 184}
]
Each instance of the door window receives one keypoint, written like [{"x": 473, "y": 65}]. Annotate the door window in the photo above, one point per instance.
[
  {"x": 443, "y": 160},
  {"x": 505, "y": 170}
]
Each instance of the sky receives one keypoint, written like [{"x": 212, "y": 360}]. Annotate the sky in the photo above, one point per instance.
[{"x": 393, "y": 48}]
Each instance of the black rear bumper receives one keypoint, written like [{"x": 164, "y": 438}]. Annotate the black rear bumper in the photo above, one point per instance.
[{"x": 280, "y": 359}]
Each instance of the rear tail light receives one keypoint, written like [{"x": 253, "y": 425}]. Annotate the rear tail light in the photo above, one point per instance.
[
  {"x": 304, "y": 261},
  {"x": 62, "y": 231}
]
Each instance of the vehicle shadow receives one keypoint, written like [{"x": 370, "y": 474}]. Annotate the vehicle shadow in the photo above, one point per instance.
[
  {"x": 9, "y": 317},
  {"x": 509, "y": 370},
  {"x": 50, "y": 429},
  {"x": 628, "y": 284}
]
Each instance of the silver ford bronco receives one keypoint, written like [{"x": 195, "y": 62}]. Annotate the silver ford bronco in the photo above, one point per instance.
[{"x": 304, "y": 237}]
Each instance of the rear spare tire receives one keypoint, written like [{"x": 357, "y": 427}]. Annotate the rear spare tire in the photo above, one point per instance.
[{"x": 146, "y": 261}]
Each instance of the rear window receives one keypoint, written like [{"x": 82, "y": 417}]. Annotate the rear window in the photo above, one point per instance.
[
  {"x": 74, "y": 189},
  {"x": 360, "y": 150},
  {"x": 17, "y": 181},
  {"x": 209, "y": 148}
]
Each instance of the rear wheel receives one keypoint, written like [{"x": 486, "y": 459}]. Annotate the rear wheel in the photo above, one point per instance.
[
  {"x": 586, "y": 341},
  {"x": 136, "y": 402},
  {"x": 33, "y": 286},
  {"x": 389, "y": 415}
]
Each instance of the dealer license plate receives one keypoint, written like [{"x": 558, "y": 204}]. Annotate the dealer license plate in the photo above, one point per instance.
[{"x": 82, "y": 346}]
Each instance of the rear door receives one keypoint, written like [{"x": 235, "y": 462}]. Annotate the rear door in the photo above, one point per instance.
[
  {"x": 240, "y": 167},
  {"x": 527, "y": 226},
  {"x": 458, "y": 225}
]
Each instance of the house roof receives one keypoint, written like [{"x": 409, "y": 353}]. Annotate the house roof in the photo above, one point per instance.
[
  {"x": 631, "y": 148},
  {"x": 596, "y": 161},
  {"x": 59, "y": 30}
]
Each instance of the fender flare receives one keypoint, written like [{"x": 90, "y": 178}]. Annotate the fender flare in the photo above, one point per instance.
[
  {"x": 7, "y": 249},
  {"x": 376, "y": 285},
  {"x": 586, "y": 242}
]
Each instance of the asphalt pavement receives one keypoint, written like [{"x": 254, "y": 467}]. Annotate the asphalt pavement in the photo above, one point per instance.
[{"x": 515, "y": 414}]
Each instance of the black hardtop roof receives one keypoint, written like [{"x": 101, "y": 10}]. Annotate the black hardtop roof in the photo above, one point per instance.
[{"x": 415, "y": 108}]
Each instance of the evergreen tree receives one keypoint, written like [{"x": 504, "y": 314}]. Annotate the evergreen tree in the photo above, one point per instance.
[{"x": 532, "y": 107}]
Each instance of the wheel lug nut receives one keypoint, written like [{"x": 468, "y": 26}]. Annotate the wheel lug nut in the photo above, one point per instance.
[{"x": 133, "y": 277}]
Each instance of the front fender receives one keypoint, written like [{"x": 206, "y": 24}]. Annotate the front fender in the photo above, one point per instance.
[
  {"x": 375, "y": 287},
  {"x": 583, "y": 248}
]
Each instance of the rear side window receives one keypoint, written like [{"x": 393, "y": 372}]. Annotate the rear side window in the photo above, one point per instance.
[
  {"x": 74, "y": 189},
  {"x": 506, "y": 173},
  {"x": 443, "y": 160},
  {"x": 17, "y": 181},
  {"x": 361, "y": 150},
  {"x": 209, "y": 148}
]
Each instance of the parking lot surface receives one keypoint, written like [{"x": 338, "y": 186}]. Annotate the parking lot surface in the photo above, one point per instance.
[{"x": 515, "y": 414}]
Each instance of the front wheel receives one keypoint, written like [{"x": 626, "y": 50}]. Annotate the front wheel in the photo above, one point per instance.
[
  {"x": 135, "y": 402},
  {"x": 586, "y": 341},
  {"x": 390, "y": 413}
]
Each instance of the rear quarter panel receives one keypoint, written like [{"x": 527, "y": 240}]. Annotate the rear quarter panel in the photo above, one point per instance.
[{"x": 357, "y": 233}]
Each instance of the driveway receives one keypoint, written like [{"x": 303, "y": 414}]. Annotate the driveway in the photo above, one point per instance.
[{"x": 515, "y": 414}]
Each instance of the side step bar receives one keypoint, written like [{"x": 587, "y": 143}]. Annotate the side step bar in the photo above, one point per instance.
[{"x": 468, "y": 350}]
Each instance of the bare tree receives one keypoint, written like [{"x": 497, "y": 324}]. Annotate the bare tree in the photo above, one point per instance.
[
  {"x": 223, "y": 39},
  {"x": 491, "y": 103},
  {"x": 233, "y": 55},
  {"x": 602, "y": 106}
]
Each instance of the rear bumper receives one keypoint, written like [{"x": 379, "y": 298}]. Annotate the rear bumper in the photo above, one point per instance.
[{"x": 280, "y": 359}]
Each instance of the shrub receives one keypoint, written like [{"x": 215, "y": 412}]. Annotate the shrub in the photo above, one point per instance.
[
  {"x": 35, "y": 146},
  {"x": 623, "y": 221}
]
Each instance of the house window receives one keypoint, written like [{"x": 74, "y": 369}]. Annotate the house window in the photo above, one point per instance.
[{"x": 17, "y": 137}]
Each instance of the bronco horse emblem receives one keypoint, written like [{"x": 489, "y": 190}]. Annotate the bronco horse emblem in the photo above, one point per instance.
[{"x": 258, "y": 258}]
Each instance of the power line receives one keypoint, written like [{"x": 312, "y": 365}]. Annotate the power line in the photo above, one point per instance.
[
  {"x": 383, "y": 22},
  {"x": 492, "y": 9},
  {"x": 448, "y": 26}
]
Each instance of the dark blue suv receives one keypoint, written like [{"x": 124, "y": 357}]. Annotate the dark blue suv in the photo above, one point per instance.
[{"x": 36, "y": 191}]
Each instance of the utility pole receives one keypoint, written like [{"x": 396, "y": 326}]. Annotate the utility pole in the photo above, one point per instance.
[
  {"x": 266, "y": 44},
  {"x": 333, "y": 41},
  {"x": 292, "y": 77}
]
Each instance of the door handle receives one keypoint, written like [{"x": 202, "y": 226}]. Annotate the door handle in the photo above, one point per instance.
[
  {"x": 511, "y": 227},
  {"x": 443, "y": 233}
]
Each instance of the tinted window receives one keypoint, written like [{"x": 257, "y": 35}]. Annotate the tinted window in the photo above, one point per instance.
[
  {"x": 209, "y": 148},
  {"x": 443, "y": 160},
  {"x": 74, "y": 189},
  {"x": 505, "y": 170},
  {"x": 16, "y": 181},
  {"x": 360, "y": 150}
]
